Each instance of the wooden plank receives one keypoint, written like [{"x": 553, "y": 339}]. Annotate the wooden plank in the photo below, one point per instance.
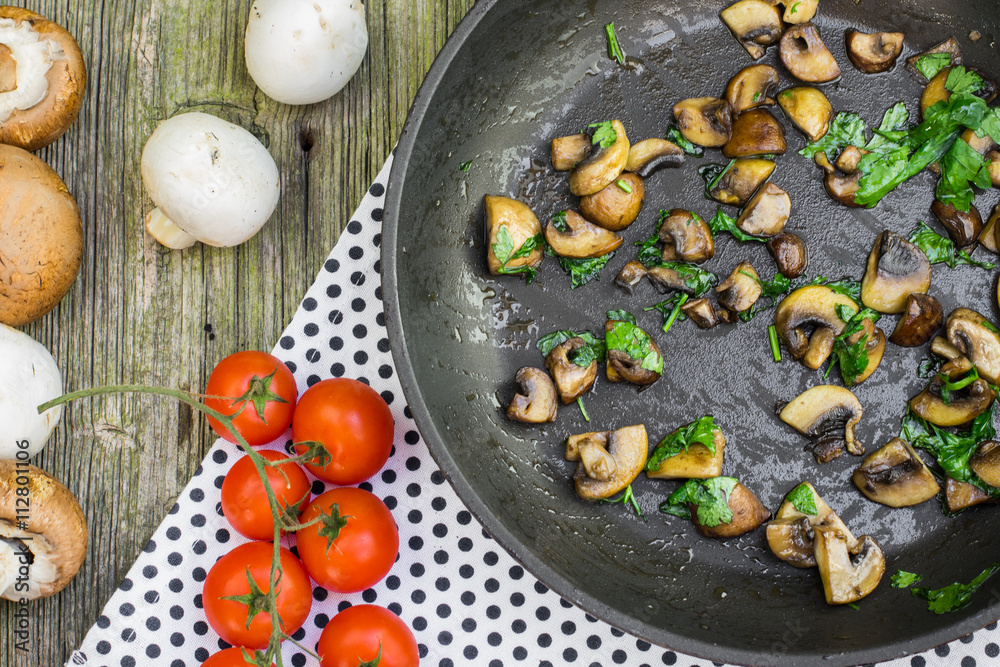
[{"x": 140, "y": 313}]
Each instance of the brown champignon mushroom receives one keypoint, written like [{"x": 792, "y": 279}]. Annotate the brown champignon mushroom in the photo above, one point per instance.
[
  {"x": 842, "y": 188},
  {"x": 740, "y": 291},
  {"x": 49, "y": 542},
  {"x": 755, "y": 132},
  {"x": 942, "y": 348},
  {"x": 964, "y": 227},
  {"x": 808, "y": 109},
  {"x": 740, "y": 180},
  {"x": 41, "y": 238},
  {"x": 686, "y": 237},
  {"x": 702, "y": 312},
  {"x": 874, "y": 348},
  {"x": 949, "y": 46},
  {"x": 800, "y": 11},
  {"x": 582, "y": 239},
  {"x": 572, "y": 380},
  {"x": 603, "y": 166},
  {"x": 875, "y": 52},
  {"x": 789, "y": 253},
  {"x": 766, "y": 213},
  {"x": 986, "y": 463},
  {"x": 756, "y": 24},
  {"x": 752, "y": 87},
  {"x": 963, "y": 405},
  {"x": 935, "y": 91},
  {"x": 922, "y": 317},
  {"x": 806, "y": 56},
  {"x": 650, "y": 155},
  {"x": 847, "y": 574},
  {"x": 627, "y": 447},
  {"x": 536, "y": 403},
  {"x": 705, "y": 121},
  {"x": 812, "y": 306},
  {"x": 617, "y": 206},
  {"x": 665, "y": 279},
  {"x": 790, "y": 534},
  {"x": 748, "y": 514},
  {"x": 622, "y": 367},
  {"x": 960, "y": 496},
  {"x": 896, "y": 476},
  {"x": 695, "y": 462},
  {"x": 631, "y": 275},
  {"x": 896, "y": 269},
  {"x": 43, "y": 79},
  {"x": 520, "y": 223},
  {"x": 990, "y": 236},
  {"x": 967, "y": 330},
  {"x": 827, "y": 414},
  {"x": 569, "y": 151},
  {"x": 993, "y": 160}
]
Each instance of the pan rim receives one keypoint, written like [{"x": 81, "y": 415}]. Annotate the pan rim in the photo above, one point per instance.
[{"x": 658, "y": 636}]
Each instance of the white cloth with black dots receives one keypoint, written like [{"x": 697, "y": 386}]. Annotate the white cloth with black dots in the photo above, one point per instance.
[{"x": 468, "y": 602}]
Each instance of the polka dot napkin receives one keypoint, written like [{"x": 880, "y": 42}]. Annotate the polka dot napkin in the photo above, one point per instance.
[{"x": 469, "y": 603}]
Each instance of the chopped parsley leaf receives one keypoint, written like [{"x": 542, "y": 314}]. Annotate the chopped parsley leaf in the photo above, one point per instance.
[
  {"x": 954, "y": 596},
  {"x": 701, "y": 431},
  {"x": 904, "y": 579},
  {"x": 940, "y": 249},
  {"x": 709, "y": 496},
  {"x": 803, "y": 499},
  {"x": 929, "y": 65},
  {"x": 504, "y": 252},
  {"x": 593, "y": 350},
  {"x": 614, "y": 48},
  {"x": 604, "y": 134}
]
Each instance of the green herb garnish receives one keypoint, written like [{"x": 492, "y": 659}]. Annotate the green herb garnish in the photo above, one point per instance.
[
  {"x": 713, "y": 174},
  {"x": 947, "y": 386},
  {"x": 626, "y": 337},
  {"x": 614, "y": 48},
  {"x": 772, "y": 337},
  {"x": 955, "y": 596},
  {"x": 583, "y": 410},
  {"x": 845, "y": 286},
  {"x": 504, "y": 252},
  {"x": 851, "y": 359},
  {"x": 942, "y": 250},
  {"x": 628, "y": 499},
  {"x": 803, "y": 499},
  {"x": 847, "y": 129},
  {"x": 593, "y": 350},
  {"x": 721, "y": 222},
  {"x": 604, "y": 134},
  {"x": 696, "y": 279},
  {"x": 701, "y": 431},
  {"x": 465, "y": 166},
  {"x": 770, "y": 289},
  {"x": 581, "y": 271},
  {"x": 928, "y": 367},
  {"x": 623, "y": 186},
  {"x": 989, "y": 326},
  {"x": 559, "y": 221},
  {"x": 674, "y": 135},
  {"x": 710, "y": 496},
  {"x": 903, "y": 579},
  {"x": 671, "y": 310},
  {"x": 932, "y": 63},
  {"x": 963, "y": 81}
]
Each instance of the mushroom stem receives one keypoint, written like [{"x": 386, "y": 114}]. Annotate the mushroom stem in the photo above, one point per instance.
[{"x": 163, "y": 229}]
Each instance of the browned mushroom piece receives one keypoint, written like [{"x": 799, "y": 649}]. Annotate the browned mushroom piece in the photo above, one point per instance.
[
  {"x": 811, "y": 307},
  {"x": 627, "y": 448},
  {"x": 581, "y": 238},
  {"x": 42, "y": 76},
  {"x": 841, "y": 188},
  {"x": 755, "y": 132},
  {"x": 571, "y": 380},
  {"x": 964, "y": 227},
  {"x": 975, "y": 336},
  {"x": 808, "y": 109},
  {"x": 695, "y": 462},
  {"x": 935, "y": 91},
  {"x": 896, "y": 269},
  {"x": 993, "y": 160},
  {"x": 766, "y": 213},
  {"x": 847, "y": 574},
  {"x": 622, "y": 367},
  {"x": 650, "y": 155},
  {"x": 617, "y": 206},
  {"x": 756, "y": 24},
  {"x": 849, "y": 159},
  {"x": 875, "y": 52},
  {"x": 748, "y": 514},
  {"x": 740, "y": 180},
  {"x": 603, "y": 166},
  {"x": 42, "y": 549},
  {"x": 942, "y": 348},
  {"x": 631, "y": 275},
  {"x": 990, "y": 236},
  {"x": 705, "y": 121},
  {"x": 960, "y": 496},
  {"x": 800, "y": 11},
  {"x": 949, "y": 46},
  {"x": 511, "y": 221},
  {"x": 740, "y": 291},
  {"x": 536, "y": 403},
  {"x": 41, "y": 238},
  {"x": 922, "y": 317},
  {"x": 702, "y": 312},
  {"x": 827, "y": 414},
  {"x": 569, "y": 151},
  {"x": 806, "y": 56},
  {"x": 986, "y": 463},
  {"x": 874, "y": 348},
  {"x": 789, "y": 253},
  {"x": 896, "y": 476},
  {"x": 752, "y": 87},
  {"x": 963, "y": 405},
  {"x": 686, "y": 237},
  {"x": 790, "y": 534}
]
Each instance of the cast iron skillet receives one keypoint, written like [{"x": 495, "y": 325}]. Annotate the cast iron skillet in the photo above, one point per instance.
[{"x": 517, "y": 73}]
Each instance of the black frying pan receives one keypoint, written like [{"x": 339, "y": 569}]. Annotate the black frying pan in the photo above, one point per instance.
[{"x": 517, "y": 73}]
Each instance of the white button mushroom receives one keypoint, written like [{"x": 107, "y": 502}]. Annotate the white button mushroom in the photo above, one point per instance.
[
  {"x": 28, "y": 377},
  {"x": 305, "y": 51},
  {"x": 212, "y": 181}
]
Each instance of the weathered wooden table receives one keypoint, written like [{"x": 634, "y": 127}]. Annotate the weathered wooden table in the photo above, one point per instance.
[{"x": 140, "y": 313}]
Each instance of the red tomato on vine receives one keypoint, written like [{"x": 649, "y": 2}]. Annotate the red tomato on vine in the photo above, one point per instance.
[
  {"x": 244, "y": 499},
  {"x": 259, "y": 389},
  {"x": 367, "y": 635}
]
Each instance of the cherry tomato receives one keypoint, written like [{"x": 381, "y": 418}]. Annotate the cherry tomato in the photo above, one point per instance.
[
  {"x": 230, "y": 657},
  {"x": 229, "y": 577},
  {"x": 261, "y": 388},
  {"x": 355, "y": 544},
  {"x": 354, "y": 424},
  {"x": 244, "y": 500},
  {"x": 355, "y": 635}
]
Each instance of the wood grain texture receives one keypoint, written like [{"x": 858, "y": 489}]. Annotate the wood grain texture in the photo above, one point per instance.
[{"x": 140, "y": 313}]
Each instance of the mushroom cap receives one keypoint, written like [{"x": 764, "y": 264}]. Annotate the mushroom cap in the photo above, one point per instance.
[
  {"x": 922, "y": 317},
  {"x": 686, "y": 237},
  {"x": 960, "y": 496},
  {"x": 896, "y": 268},
  {"x": 56, "y": 526},
  {"x": 825, "y": 411},
  {"x": 520, "y": 222},
  {"x": 986, "y": 463},
  {"x": 805, "y": 55},
  {"x": 963, "y": 405},
  {"x": 755, "y": 23},
  {"x": 41, "y": 238},
  {"x": 649, "y": 155},
  {"x": 705, "y": 121},
  {"x": 964, "y": 227},
  {"x": 809, "y": 109},
  {"x": 755, "y": 132},
  {"x": 848, "y": 574},
  {"x": 701, "y": 312},
  {"x": 740, "y": 291},
  {"x": 305, "y": 51},
  {"x": 767, "y": 212},
  {"x": 603, "y": 166},
  {"x": 29, "y": 377},
  {"x": 53, "y": 79},
  {"x": 790, "y": 534},
  {"x": 812, "y": 305},
  {"x": 628, "y": 446},
  {"x": 949, "y": 46},
  {"x": 875, "y": 52},
  {"x": 748, "y": 514},
  {"x": 569, "y": 151},
  {"x": 695, "y": 462},
  {"x": 571, "y": 380},
  {"x": 617, "y": 206},
  {"x": 752, "y": 87},
  {"x": 790, "y": 254},
  {"x": 537, "y": 402},
  {"x": 896, "y": 476},
  {"x": 582, "y": 238},
  {"x": 212, "y": 179},
  {"x": 741, "y": 180},
  {"x": 966, "y": 331}
]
